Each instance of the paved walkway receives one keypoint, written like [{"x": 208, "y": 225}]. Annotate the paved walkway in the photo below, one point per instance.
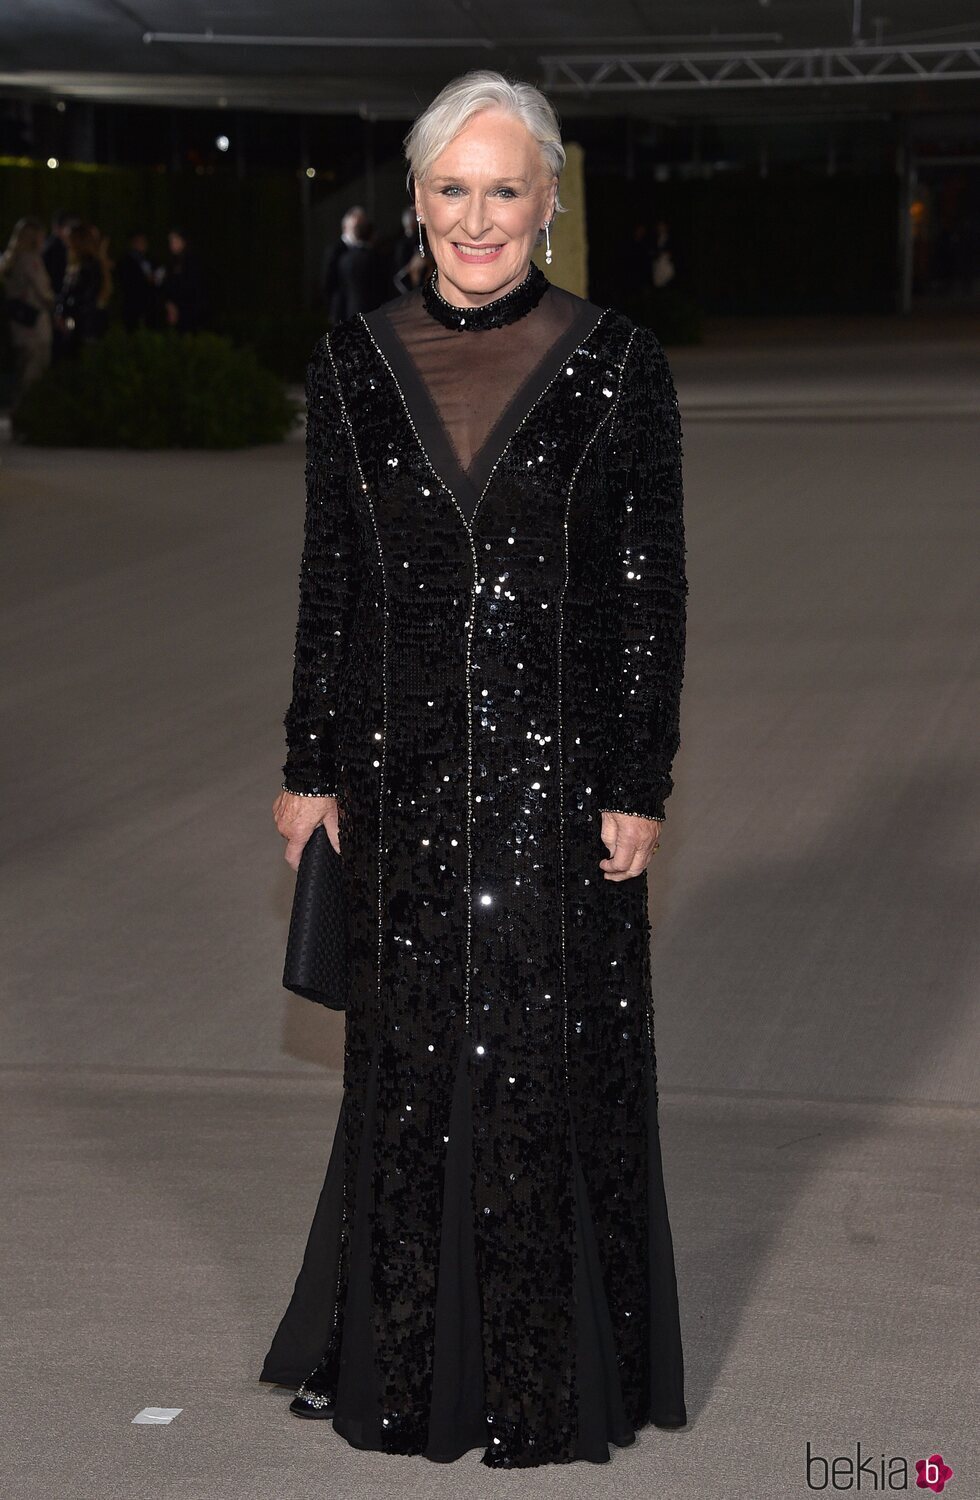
[{"x": 816, "y": 958}]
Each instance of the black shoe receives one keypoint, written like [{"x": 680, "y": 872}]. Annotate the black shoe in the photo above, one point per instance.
[
  {"x": 315, "y": 1397},
  {"x": 304, "y": 1406}
]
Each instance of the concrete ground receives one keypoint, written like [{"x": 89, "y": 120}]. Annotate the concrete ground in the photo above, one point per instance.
[{"x": 169, "y": 1109}]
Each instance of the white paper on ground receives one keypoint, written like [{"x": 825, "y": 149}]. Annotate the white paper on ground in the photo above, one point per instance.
[{"x": 157, "y": 1416}]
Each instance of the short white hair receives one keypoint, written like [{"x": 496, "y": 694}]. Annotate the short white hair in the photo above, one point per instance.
[{"x": 466, "y": 96}]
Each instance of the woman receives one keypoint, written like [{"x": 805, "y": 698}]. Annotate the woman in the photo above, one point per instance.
[
  {"x": 486, "y": 685},
  {"x": 183, "y": 287},
  {"x": 29, "y": 301},
  {"x": 81, "y": 307},
  {"x": 408, "y": 258}
]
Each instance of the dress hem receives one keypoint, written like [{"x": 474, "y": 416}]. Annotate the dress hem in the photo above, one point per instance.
[
  {"x": 294, "y": 1382},
  {"x": 457, "y": 1395}
]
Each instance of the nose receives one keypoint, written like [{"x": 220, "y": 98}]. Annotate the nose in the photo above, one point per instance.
[{"x": 477, "y": 219}]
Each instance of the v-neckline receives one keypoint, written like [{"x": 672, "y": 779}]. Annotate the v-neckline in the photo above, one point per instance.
[{"x": 469, "y": 485}]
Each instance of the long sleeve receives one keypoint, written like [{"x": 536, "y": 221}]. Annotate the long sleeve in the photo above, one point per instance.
[
  {"x": 328, "y": 588},
  {"x": 646, "y": 471}
]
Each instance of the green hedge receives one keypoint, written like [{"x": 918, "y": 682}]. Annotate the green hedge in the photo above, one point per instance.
[
  {"x": 156, "y": 390},
  {"x": 247, "y": 232},
  {"x": 283, "y": 343}
]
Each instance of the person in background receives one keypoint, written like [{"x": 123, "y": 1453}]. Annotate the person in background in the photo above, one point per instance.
[
  {"x": 407, "y": 264},
  {"x": 105, "y": 292},
  {"x": 183, "y": 286},
  {"x": 352, "y": 281},
  {"x": 635, "y": 263},
  {"x": 29, "y": 301},
  {"x": 55, "y": 254},
  {"x": 137, "y": 286},
  {"x": 664, "y": 269},
  {"x": 81, "y": 306},
  {"x": 55, "y": 251}
]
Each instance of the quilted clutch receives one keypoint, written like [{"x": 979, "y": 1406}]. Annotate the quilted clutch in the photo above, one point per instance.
[{"x": 317, "y": 949}]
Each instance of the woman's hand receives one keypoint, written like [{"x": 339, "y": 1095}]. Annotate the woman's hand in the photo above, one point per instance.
[
  {"x": 296, "y": 819},
  {"x": 631, "y": 842}
]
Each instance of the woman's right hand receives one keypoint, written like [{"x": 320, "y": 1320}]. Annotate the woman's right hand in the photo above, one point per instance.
[{"x": 296, "y": 819}]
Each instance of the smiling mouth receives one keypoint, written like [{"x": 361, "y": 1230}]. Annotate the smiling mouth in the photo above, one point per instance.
[{"x": 475, "y": 252}]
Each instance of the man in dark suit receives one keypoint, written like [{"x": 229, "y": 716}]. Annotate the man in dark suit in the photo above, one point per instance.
[
  {"x": 352, "y": 280},
  {"x": 137, "y": 285}
]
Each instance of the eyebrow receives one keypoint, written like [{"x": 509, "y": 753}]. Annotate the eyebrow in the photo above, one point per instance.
[{"x": 457, "y": 178}]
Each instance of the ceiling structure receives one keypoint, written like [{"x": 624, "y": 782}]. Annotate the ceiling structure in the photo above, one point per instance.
[{"x": 386, "y": 58}]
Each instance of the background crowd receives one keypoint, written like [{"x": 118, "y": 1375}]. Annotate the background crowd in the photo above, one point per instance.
[
  {"x": 361, "y": 270},
  {"x": 58, "y": 286},
  {"x": 63, "y": 288}
]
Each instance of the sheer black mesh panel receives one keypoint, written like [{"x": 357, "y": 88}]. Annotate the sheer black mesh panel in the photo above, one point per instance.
[{"x": 475, "y": 381}]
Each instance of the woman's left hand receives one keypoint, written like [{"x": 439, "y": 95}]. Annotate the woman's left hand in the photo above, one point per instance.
[{"x": 632, "y": 843}]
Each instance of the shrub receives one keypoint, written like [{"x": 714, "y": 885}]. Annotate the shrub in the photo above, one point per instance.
[
  {"x": 156, "y": 390},
  {"x": 282, "y": 344}
]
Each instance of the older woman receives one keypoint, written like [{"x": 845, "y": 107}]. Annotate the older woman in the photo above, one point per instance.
[{"x": 484, "y": 714}]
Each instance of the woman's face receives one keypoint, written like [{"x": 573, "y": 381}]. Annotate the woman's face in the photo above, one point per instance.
[{"x": 483, "y": 202}]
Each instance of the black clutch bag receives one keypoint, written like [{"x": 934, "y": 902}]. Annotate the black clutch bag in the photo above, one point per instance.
[{"x": 317, "y": 948}]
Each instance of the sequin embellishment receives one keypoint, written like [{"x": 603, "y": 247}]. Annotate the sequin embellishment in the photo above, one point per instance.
[
  {"x": 478, "y": 691},
  {"x": 494, "y": 314}
]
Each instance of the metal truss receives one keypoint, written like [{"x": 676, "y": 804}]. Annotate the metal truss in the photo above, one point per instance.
[{"x": 796, "y": 67}]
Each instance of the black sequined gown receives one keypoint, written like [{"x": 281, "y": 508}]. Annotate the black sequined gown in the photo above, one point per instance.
[{"x": 490, "y": 651}]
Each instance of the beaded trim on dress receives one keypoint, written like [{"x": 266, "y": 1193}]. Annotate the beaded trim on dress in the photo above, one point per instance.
[{"x": 506, "y": 309}]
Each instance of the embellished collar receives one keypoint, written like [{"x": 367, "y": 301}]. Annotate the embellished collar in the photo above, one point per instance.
[{"x": 506, "y": 309}]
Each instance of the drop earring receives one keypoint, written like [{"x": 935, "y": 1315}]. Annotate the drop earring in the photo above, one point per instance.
[
  {"x": 547, "y": 244},
  {"x": 421, "y": 246}
]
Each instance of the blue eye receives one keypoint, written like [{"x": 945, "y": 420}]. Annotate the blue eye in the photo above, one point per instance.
[{"x": 453, "y": 188}]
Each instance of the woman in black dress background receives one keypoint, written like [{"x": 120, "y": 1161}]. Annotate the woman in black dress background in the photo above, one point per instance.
[
  {"x": 485, "y": 712},
  {"x": 81, "y": 310}
]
